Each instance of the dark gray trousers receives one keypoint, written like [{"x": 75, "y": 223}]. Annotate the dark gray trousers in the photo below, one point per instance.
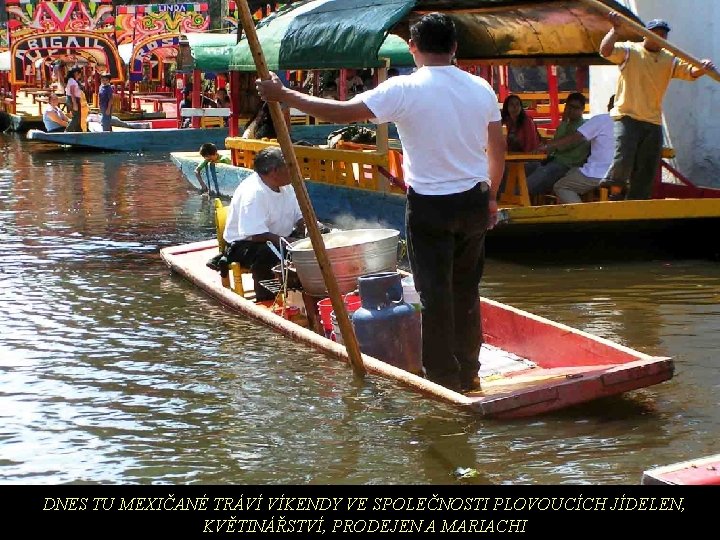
[{"x": 638, "y": 147}]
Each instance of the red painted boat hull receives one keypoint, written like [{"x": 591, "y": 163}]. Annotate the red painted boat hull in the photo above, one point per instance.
[
  {"x": 570, "y": 366},
  {"x": 698, "y": 472}
]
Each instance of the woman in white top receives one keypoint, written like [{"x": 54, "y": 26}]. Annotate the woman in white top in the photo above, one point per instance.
[{"x": 53, "y": 118}]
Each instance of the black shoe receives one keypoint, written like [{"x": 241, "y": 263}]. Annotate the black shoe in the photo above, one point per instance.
[
  {"x": 214, "y": 263},
  {"x": 450, "y": 382},
  {"x": 472, "y": 385},
  {"x": 617, "y": 189}
]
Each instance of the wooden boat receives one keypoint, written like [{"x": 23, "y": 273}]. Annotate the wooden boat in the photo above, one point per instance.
[
  {"x": 137, "y": 140},
  {"x": 530, "y": 365},
  {"x": 365, "y": 183},
  {"x": 703, "y": 471},
  {"x": 595, "y": 230}
]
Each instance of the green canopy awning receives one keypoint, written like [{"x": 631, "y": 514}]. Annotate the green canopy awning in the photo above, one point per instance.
[
  {"x": 396, "y": 50},
  {"x": 324, "y": 34},
  {"x": 330, "y": 34},
  {"x": 211, "y": 52}
]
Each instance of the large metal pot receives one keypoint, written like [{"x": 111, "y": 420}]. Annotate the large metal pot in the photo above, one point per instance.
[{"x": 351, "y": 253}]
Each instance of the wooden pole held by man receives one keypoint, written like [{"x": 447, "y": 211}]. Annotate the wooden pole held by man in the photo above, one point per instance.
[
  {"x": 644, "y": 32},
  {"x": 283, "y": 135}
]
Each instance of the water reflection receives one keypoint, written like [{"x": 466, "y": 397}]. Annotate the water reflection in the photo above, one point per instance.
[{"x": 114, "y": 371}]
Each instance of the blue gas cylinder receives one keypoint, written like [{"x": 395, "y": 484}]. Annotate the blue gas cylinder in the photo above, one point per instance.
[{"x": 387, "y": 327}]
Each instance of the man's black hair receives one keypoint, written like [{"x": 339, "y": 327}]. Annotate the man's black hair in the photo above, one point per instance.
[
  {"x": 434, "y": 33},
  {"x": 611, "y": 103},
  {"x": 577, "y": 97},
  {"x": 208, "y": 149}
]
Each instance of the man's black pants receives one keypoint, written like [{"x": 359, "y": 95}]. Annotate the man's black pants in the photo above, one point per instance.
[
  {"x": 260, "y": 259},
  {"x": 446, "y": 247}
]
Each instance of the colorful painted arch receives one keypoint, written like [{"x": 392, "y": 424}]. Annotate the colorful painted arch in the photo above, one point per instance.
[
  {"x": 153, "y": 45},
  {"x": 95, "y": 46}
]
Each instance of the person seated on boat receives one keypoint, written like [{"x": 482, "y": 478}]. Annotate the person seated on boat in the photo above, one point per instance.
[
  {"x": 186, "y": 103},
  {"x": 208, "y": 102},
  {"x": 353, "y": 83},
  {"x": 54, "y": 119},
  {"x": 261, "y": 125},
  {"x": 222, "y": 99},
  {"x": 209, "y": 153},
  {"x": 522, "y": 134},
  {"x": 330, "y": 91},
  {"x": 263, "y": 208},
  {"x": 598, "y": 131},
  {"x": 368, "y": 80},
  {"x": 560, "y": 161}
]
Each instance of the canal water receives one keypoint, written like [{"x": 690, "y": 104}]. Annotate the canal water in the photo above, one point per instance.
[{"x": 112, "y": 370}]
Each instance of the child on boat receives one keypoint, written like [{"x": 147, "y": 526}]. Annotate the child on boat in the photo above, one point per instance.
[{"x": 209, "y": 152}]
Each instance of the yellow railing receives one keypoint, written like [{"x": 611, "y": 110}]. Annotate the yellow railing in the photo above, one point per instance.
[{"x": 349, "y": 168}]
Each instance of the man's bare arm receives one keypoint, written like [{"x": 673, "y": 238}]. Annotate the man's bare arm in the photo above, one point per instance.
[
  {"x": 496, "y": 155},
  {"x": 326, "y": 109},
  {"x": 608, "y": 42}
]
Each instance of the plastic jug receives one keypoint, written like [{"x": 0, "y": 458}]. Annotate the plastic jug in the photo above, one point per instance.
[{"x": 386, "y": 326}]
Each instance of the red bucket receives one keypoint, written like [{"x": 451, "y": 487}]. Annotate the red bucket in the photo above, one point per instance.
[
  {"x": 325, "y": 308},
  {"x": 352, "y": 304}
]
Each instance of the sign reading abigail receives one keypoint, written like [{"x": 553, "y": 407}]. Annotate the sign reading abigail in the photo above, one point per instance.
[{"x": 32, "y": 48}]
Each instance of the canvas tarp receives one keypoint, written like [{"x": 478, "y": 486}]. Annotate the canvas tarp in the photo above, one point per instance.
[{"x": 329, "y": 34}]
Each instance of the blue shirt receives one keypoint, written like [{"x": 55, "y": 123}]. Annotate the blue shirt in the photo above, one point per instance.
[{"x": 106, "y": 93}]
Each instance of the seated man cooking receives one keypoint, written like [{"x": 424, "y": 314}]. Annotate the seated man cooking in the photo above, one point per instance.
[{"x": 263, "y": 208}]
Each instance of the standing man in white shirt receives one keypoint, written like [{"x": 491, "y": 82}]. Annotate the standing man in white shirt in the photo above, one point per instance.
[
  {"x": 454, "y": 154},
  {"x": 263, "y": 208}
]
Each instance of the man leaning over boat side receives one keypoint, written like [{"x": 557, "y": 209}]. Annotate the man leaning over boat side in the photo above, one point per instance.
[
  {"x": 210, "y": 155},
  {"x": 645, "y": 73},
  {"x": 453, "y": 182},
  {"x": 263, "y": 208}
]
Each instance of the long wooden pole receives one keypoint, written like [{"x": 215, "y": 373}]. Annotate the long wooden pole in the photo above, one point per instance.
[
  {"x": 283, "y": 133},
  {"x": 644, "y": 32}
]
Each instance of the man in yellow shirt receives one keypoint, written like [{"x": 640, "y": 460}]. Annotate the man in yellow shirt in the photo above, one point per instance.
[{"x": 645, "y": 73}]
